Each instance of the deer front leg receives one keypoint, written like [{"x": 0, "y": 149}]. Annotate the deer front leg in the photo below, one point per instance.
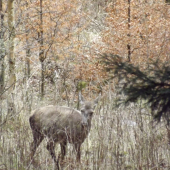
[
  {"x": 77, "y": 148},
  {"x": 51, "y": 149}
]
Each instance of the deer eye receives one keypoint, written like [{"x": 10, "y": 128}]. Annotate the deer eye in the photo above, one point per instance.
[
  {"x": 91, "y": 113},
  {"x": 82, "y": 110}
]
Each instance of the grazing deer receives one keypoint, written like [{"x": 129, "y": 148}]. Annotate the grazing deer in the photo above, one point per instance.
[{"x": 61, "y": 125}]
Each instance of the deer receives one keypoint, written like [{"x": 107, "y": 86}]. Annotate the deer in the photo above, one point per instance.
[{"x": 61, "y": 124}]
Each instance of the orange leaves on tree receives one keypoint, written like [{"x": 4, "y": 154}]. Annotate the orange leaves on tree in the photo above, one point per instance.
[
  {"x": 60, "y": 24},
  {"x": 147, "y": 31}
]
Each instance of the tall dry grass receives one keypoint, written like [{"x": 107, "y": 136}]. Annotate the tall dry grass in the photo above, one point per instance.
[{"x": 122, "y": 138}]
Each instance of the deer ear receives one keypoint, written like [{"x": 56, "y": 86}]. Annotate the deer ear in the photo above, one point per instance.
[
  {"x": 81, "y": 99},
  {"x": 97, "y": 100}
]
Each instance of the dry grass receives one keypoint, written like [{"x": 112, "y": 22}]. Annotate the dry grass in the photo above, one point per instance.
[{"x": 120, "y": 139}]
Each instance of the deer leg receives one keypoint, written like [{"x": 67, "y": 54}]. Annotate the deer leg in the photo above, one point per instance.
[
  {"x": 77, "y": 148},
  {"x": 63, "y": 149},
  {"x": 38, "y": 137},
  {"x": 51, "y": 149}
]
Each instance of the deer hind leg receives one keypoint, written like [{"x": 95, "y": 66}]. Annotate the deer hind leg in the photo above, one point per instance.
[
  {"x": 51, "y": 149},
  {"x": 63, "y": 149},
  {"x": 37, "y": 139}
]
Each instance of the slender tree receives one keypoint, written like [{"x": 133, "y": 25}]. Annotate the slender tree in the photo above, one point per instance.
[
  {"x": 41, "y": 49},
  {"x": 2, "y": 50},
  {"x": 128, "y": 45},
  {"x": 11, "y": 58},
  {"x": 27, "y": 61}
]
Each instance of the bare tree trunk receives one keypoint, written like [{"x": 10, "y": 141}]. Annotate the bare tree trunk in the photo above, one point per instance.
[
  {"x": 41, "y": 51},
  {"x": 27, "y": 69},
  {"x": 12, "y": 78},
  {"x": 128, "y": 45},
  {"x": 2, "y": 51},
  {"x": 27, "y": 61},
  {"x": 2, "y": 55}
]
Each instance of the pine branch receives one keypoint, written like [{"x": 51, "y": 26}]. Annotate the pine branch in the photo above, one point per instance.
[{"x": 152, "y": 84}]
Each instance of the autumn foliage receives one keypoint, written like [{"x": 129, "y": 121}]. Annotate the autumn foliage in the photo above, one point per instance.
[
  {"x": 145, "y": 28},
  {"x": 77, "y": 32}
]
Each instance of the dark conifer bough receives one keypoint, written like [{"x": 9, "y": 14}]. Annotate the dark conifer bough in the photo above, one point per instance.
[{"x": 151, "y": 84}]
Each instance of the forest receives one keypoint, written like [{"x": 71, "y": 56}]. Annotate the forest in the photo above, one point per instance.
[{"x": 51, "y": 51}]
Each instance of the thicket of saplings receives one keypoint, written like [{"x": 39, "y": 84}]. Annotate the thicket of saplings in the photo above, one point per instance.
[{"x": 120, "y": 138}]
